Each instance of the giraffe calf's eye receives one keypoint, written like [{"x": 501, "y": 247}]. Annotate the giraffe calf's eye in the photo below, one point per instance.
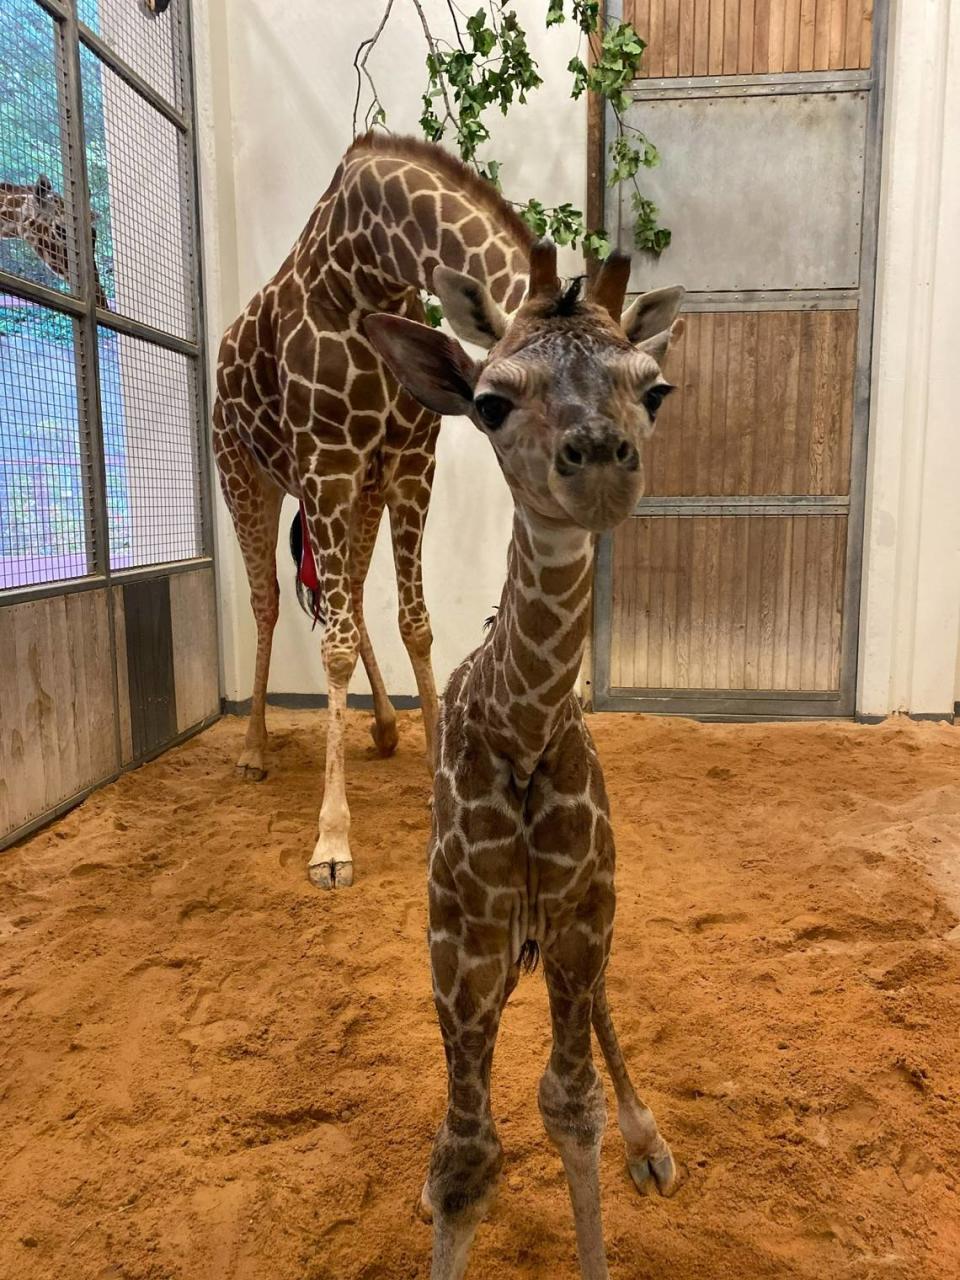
[
  {"x": 492, "y": 410},
  {"x": 654, "y": 397}
]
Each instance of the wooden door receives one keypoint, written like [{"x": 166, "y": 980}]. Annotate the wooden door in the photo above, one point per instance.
[{"x": 733, "y": 591}]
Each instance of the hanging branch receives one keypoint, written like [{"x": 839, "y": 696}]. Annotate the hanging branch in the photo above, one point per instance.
[
  {"x": 375, "y": 113},
  {"x": 490, "y": 65}
]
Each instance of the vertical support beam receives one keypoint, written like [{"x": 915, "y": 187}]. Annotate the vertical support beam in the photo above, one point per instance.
[
  {"x": 910, "y": 627},
  {"x": 88, "y": 365}
]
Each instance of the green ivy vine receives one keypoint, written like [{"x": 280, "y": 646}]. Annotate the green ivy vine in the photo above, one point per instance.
[{"x": 488, "y": 65}]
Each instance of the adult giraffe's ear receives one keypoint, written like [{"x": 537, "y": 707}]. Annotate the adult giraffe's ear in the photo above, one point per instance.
[
  {"x": 649, "y": 317},
  {"x": 435, "y": 369},
  {"x": 43, "y": 188},
  {"x": 469, "y": 307}
]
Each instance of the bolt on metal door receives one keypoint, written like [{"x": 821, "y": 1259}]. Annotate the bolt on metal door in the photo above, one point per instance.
[{"x": 733, "y": 591}]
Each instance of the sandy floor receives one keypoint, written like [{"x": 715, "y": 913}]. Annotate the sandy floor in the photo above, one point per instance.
[{"x": 208, "y": 1071}]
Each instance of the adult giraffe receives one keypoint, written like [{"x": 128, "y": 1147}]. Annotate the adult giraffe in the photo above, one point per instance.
[
  {"x": 36, "y": 214},
  {"x": 305, "y": 406}
]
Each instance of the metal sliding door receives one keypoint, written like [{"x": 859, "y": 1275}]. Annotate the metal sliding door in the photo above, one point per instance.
[{"x": 734, "y": 589}]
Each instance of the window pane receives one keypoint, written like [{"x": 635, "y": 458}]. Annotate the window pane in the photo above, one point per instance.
[
  {"x": 144, "y": 41},
  {"x": 143, "y": 238},
  {"x": 44, "y": 479},
  {"x": 153, "y": 469},
  {"x": 35, "y": 225}
]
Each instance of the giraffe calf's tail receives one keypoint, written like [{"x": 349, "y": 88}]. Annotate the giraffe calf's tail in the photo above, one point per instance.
[{"x": 307, "y": 580}]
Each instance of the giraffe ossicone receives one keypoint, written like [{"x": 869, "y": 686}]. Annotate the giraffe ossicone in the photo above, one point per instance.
[{"x": 521, "y": 852}]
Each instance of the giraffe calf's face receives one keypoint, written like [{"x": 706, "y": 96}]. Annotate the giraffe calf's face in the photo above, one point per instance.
[{"x": 568, "y": 392}]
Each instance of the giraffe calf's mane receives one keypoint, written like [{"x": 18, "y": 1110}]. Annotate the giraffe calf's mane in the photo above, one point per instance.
[{"x": 405, "y": 147}]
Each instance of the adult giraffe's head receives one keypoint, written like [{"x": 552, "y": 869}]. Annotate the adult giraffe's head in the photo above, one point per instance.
[
  {"x": 568, "y": 391},
  {"x": 44, "y": 227}
]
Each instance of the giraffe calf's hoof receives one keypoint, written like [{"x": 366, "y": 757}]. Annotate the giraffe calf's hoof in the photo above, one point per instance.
[
  {"x": 654, "y": 1172},
  {"x": 424, "y": 1209},
  {"x": 385, "y": 738},
  {"x": 251, "y": 772},
  {"x": 343, "y": 875}
]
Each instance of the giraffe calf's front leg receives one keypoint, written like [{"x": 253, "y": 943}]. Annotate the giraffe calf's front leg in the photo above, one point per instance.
[{"x": 331, "y": 864}]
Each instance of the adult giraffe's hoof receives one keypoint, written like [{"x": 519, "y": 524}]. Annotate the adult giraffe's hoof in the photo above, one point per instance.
[
  {"x": 658, "y": 1172},
  {"x": 250, "y": 766},
  {"x": 385, "y": 737},
  {"x": 330, "y": 875}
]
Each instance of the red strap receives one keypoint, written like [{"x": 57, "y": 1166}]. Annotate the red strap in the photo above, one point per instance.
[{"x": 308, "y": 566}]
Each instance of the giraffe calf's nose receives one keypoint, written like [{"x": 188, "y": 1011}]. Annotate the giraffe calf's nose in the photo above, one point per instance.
[{"x": 580, "y": 449}]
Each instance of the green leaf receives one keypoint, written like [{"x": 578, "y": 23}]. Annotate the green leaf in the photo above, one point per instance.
[
  {"x": 433, "y": 309},
  {"x": 555, "y": 13}
]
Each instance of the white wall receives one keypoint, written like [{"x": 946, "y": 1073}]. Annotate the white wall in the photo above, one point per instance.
[
  {"x": 276, "y": 88},
  {"x": 275, "y": 95},
  {"x": 910, "y": 656}
]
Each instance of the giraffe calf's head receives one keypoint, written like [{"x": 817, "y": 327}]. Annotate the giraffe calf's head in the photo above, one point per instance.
[{"x": 568, "y": 391}]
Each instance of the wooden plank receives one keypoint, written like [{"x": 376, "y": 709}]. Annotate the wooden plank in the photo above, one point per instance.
[
  {"x": 753, "y": 567},
  {"x": 808, "y": 33},
  {"x": 652, "y": 664},
  {"x": 193, "y": 618},
  {"x": 847, "y": 375},
  {"x": 776, "y": 36},
  {"x": 811, "y": 596},
  {"x": 851, "y": 47},
  {"x": 671, "y": 38},
  {"x": 731, "y": 37},
  {"x": 821, "y": 36},
  {"x": 823, "y": 394},
  {"x": 771, "y": 551},
  {"x": 31, "y": 781},
  {"x": 687, "y": 28},
  {"x": 701, "y": 38},
  {"x": 11, "y": 748},
  {"x": 89, "y": 612},
  {"x": 761, "y": 36},
  {"x": 826, "y": 594},
  {"x": 837, "y": 34},
  {"x": 684, "y": 589},
  {"x": 747, "y": 31},
  {"x": 653, "y": 59},
  {"x": 866, "y": 33},
  {"x": 717, "y": 35},
  {"x": 781, "y": 624},
  {"x": 63, "y": 692},
  {"x": 795, "y": 610},
  {"x": 641, "y": 609},
  {"x": 748, "y": 391},
  {"x": 791, "y": 35},
  {"x": 638, "y": 14},
  {"x": 668, "y": 652},
  {"x": 836, "y": 616}
]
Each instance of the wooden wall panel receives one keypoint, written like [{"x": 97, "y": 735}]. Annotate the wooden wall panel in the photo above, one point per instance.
[
  {"x": 751, "y": 37},
  {"x": 728, "y": 603},
  {"x": 57, "y": 725},
  {"x": 196, "y": 662},
  {"x": 763, "y": 406}
]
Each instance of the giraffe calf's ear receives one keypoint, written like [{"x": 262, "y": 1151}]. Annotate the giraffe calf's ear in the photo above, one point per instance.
[
  {"x": 435, "y": 369},
  {"x": 43, "y": 188},
  {"x": 472, "y": 313},
  {"x": 659, "y": 344},
  {"x": 652, "y": 314}
]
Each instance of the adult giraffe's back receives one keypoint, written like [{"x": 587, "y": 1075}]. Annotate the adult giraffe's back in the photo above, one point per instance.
[{"x": 305, "y": 406}]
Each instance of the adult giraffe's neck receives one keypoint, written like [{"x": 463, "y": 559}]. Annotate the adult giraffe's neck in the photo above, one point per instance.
[
  {"x": 529, "y": 664},
  {"x": 397, "y": 209}
]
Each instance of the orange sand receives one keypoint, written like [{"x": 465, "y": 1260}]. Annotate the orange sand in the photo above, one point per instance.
[{"x": 212, "y": 1072}]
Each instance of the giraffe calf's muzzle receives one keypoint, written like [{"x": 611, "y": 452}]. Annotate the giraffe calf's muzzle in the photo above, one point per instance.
[{"x": 596, "y": 477}]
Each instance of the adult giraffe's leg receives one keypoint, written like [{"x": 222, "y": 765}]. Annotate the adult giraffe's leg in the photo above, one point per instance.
[
  {"x": 329, "y": 502},
  {"x": 648, "y": 1155},
  {"x": 409, "y": 500},
  {"x": 571, "y": 1098},
  {"x": 366, "y": 526},
  {"x": 254, "y": 503}
]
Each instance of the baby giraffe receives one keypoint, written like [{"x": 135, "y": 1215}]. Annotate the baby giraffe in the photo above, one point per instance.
[{"x": 522, "y": 855}]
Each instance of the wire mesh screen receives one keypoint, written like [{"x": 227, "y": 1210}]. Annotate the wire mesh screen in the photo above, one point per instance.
[
  {"x": 148, "y": 404},
  {"x": 35, "y": 226},
  {"x": 146, "y": 42},
  {"x": 45, "y": 479},
  {"x": 138, "y": 196}
]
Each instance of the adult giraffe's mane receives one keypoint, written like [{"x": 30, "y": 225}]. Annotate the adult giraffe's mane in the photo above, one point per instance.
[{"x": 432, "y": 156}]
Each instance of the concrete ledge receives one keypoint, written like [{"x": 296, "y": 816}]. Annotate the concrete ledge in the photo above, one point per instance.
[
  {"x": 951, "y": 717},
  {"x": 317, "y": 701}
]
